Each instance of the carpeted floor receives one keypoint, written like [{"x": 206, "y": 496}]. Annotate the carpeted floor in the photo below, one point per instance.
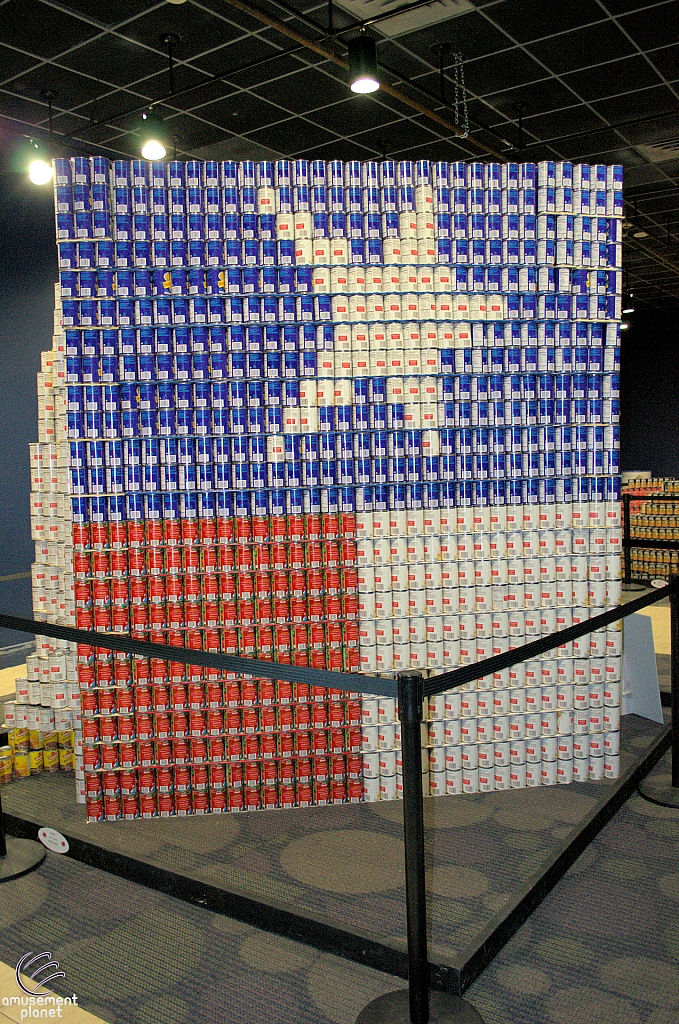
[
  {"x": 134, "y": 956},
  {"x": 603, "y": 947},
  {"x": 346, "y": 863}
]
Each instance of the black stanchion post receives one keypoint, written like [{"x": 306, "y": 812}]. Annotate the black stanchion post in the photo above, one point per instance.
[
  {"x": 416, "y": 1004},
  {"x": 17, "y": 856},
  {"x": 410, "y": 715},
  {"x": 3, "y": 844},
  {"x": 657, "y": 788},
  {"x": 626, "y": 535}
]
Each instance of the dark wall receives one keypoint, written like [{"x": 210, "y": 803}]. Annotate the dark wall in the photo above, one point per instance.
[
  {"x": 649, "y": 389},
  {"x": 28, "y": 270}
]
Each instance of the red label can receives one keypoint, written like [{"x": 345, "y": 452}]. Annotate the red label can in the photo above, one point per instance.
[
  {"x": 126, "y": 729},
  {"x": 322, "y": 793},
  {"x": 145, "y": 753},
  {"x": 321, "y": 769},
  {"x": 234, "y": 748},
  {"x": 94, "y": 808},
  {"x": 215, "y": 723},
  {"x": 287, "y": 796},
  {"x": 303, "y": 794},
  {"x": 270, "y": 797},
  {"x": 199, "y": 750},
  {"x": 251, "y": 748},
  {"x": 91, "y": 757},
  {"x": 285, "y": 744},
  {"x": 253, "y": 800},
  {"x": 217, "y": 750},
  {"x": 201, "y": 803},
  {"x": 93, "y": 785},
  {"x": 112, "y": 808},
  {"x": 165, "y": 804},
  {"x": 109, "y": 755},
  {"x": 339, "y": 792},
  {"x": 217, "y": 803},
  {"x": 148, "y": 806},
  {"x": 268, "y": 746},
  {"x": 128, "y": 783},
  {"x": 355, "y": 790}
]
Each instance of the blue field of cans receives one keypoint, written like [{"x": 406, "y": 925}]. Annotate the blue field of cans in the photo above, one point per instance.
[{"x": 201, "y": 308}]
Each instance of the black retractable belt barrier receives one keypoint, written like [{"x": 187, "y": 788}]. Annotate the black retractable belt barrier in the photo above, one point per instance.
[
  {"x": 656, "y": 788},
  {"x": 416, "y": 1004}
]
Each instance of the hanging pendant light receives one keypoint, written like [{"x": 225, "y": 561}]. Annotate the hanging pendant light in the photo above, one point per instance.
[
  {"x": 363, "y": 64},
  {"x": 153, "y": 136}
]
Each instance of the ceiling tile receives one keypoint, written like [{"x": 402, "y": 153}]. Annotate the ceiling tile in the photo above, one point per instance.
[
  {"x": 582, "y": 48},
  {"x": 237, "y": 54},
  {"x": 108, "y": 12},
  {"x": 510, "y": 68},
  {"x": 13, "y": 63},
  {"x": 353, "y": 115},
  {"x": 340, "y": 149},
  {"x": 45, "y": 31},
  {"x": 561, "y": 122},
  {"x": 294, "y": 136},
  {"x": 471, "y": 34},
  {"x": 73, "y": 89},
  {"x": 618, "y": 76},
  {"x": 635, "y": 104},
  {"x": 534, "y": 19},
  {"x": 648, "y": 28},
  {"x": 305, "y": 90},
  {"x": 249, "y": 112},
  {"x": 538, "y": 98},
  {"x": 115, "y": 60},
  {"x": 198, "y": 29},
  {"x": 653, "y": 130},
  {"x": 666, "y": 61}
]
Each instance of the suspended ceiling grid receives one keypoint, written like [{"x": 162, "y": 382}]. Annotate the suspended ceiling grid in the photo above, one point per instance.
[{"x": 597, "y": 81}]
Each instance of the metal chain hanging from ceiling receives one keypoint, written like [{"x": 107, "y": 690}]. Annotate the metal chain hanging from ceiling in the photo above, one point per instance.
[{"x": 460, "y": 91}]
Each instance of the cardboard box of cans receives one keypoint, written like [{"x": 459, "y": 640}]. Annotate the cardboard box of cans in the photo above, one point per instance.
[{"x": 348, "y": 415}]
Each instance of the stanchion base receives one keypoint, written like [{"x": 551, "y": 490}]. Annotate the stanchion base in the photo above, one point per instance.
[
  {"x": 659, "y": 790},
  {"x": 394, "y": 1008},
  {"x": 23, "y": 855}
]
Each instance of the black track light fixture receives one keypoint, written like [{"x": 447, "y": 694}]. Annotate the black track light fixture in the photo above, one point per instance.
[
  {"x": 153, "y": 136},
  {"x": 363, "y": 64}
]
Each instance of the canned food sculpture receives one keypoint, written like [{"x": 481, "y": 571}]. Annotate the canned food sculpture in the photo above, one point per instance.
[{"x": 348, "y": 415}]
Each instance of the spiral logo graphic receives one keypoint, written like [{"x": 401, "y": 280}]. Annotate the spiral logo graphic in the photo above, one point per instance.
[{"x": 44, "y": 963}]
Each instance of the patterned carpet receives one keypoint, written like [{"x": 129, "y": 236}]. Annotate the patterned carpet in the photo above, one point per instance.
[
  {"x": 347, "y": 863},
  {"x": 603, "y": 947},
  {"x": 134, "y": 956}
]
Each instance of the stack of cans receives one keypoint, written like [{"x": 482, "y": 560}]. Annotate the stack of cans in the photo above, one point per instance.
[{"x": 347, "y": 415}]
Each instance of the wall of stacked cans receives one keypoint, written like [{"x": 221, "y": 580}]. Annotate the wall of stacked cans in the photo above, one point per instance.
[{"x": 360, "y": 416}]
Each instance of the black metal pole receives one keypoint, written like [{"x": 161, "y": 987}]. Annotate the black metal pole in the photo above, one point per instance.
[
  {"x": 410, "y": 715},
  {"x": 3, "y": 844},
  {"x": 414, "y": 1005},
  {"x": 626, "y": 538},
  {"x": 656, "y": 787},
  {"x": 674, "y": 676}
]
